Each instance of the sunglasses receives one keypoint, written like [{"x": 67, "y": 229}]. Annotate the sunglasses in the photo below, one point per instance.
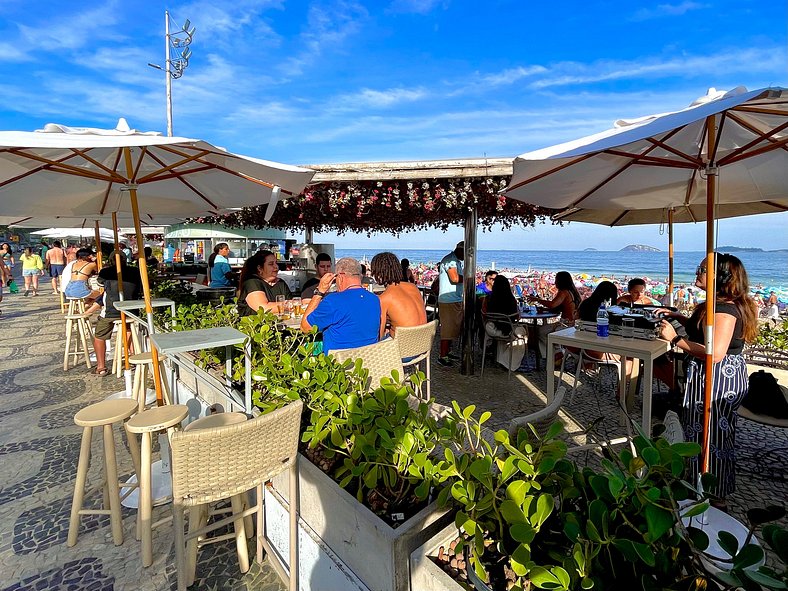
[{"x": 700, "y": 270}]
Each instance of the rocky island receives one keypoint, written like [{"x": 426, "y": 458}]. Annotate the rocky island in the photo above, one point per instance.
[{"x": 639, "y": 248}]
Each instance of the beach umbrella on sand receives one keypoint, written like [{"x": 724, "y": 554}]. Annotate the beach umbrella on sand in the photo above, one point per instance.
[
  {"x": 726, "y": 152},
  {"x": 80, "y": 172}
]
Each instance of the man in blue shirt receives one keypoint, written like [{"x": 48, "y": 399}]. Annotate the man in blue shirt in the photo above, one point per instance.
[
  {"x": 485, "y": 287},
  {"x": 348, "y": 318},
  {"x": 450, "y": 300}
]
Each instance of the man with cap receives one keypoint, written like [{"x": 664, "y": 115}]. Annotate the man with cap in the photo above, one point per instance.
[{"x": 450, "y": 300}]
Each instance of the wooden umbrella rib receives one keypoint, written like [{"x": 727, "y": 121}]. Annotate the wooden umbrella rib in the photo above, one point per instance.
[
  {"x": 645, "y": 159},
  {"x": 61, "y": 167},
  {"x": 551, "y": 171},
  {"x": 779, "y": 145},
  {"x": 168, "y": 167},
  {"x": 619, "y": 218},
  {"x": 84, "y": 154},
  {"x": 197, "y": 192},
  {"x": 778, "y": 206},
  {"x": 760, "y": 110},
  {"x": 672, "y": 150},
  {"x": 760, "y": 136},
  {"x": 104, "y": 200},
  {"x": 26, "y": 174},
  {"x": 140, "y": 160}
]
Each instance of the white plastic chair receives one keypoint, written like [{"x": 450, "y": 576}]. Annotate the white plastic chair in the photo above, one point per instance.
[{"x": 415, "y": 345}]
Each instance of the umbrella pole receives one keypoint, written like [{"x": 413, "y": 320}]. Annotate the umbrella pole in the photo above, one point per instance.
[
  {"x": 670, "y": 256},
  {"x": 135, "y": 210},
  {"x": 123, "y": 327},
  {"x": 99, "y": 260},
  {"x": 711, "y": 288}
]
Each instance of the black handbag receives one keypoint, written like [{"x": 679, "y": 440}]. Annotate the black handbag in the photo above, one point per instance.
[{"x": 765, "y": 397}]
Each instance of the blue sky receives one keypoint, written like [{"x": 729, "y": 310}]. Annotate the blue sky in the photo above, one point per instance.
[{"x": 339, "y": 81}]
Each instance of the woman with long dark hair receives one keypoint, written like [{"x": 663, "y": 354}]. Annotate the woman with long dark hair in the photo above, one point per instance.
[
  {"x": 502, "y": 301},
  {"x": 735, "y": 323},
  {"x": 260, "y": 284},
  {"x": 566, "y": 299}
]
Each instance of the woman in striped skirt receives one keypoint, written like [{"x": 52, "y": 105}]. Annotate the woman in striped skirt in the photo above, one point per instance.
[{"x": 735, "y": 323}]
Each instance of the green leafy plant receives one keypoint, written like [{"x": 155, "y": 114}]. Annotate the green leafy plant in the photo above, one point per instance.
[
  {"x": 773, "y": 337},
  {"x": 533, "y": 519}
]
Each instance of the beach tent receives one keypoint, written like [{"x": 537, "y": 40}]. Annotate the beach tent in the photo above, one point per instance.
[
  {"x": 726, "y": 152},
  {"x": 81, "y": 172}
]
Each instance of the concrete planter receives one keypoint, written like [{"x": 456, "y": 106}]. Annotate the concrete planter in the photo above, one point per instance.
[
  {"x": 363, "y": 543},
  {"x": 425, "y": 575}
]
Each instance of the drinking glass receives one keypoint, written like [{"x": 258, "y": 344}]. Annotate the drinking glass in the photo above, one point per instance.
[
  {"x": 628, "y": 327},
  {"x": 298, "y": 311},
  {"x": 288, "y": 310},
  {"x": 280, "y": 304}
]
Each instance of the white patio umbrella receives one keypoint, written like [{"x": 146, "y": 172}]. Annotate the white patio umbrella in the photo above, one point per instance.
[
  {"x": 104, "y": 234},
  {"x": 727, "y": 151},
  {"x": 83, "y": 172}
]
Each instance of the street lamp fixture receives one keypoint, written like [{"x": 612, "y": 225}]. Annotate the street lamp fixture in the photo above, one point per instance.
[{"x": 176, "y": 57}]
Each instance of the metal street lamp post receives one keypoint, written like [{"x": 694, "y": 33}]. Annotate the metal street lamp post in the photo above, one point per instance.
[{"x": 176, "y": 58}]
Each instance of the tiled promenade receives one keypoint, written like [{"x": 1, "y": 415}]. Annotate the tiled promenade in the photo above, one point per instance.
[{"x": 39, "y": 446}]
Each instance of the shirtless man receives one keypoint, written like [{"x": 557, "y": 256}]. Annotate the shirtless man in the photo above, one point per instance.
[
  {"x": 401, "y": 304},
  {"x": 56, "y": 262}
]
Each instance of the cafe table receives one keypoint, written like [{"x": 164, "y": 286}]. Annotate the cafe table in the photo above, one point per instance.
[
  {"x": 643, "y": 349},
  {"x": 532, "y": 320}
]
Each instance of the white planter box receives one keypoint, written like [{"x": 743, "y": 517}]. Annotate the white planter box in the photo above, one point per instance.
[
  {"x": 373, "y": 551},
  {"x": 425, "y": 575}
]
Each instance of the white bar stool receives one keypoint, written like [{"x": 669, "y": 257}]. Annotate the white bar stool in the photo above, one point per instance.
[
  {"x": 146, "y": 423},
  {"x": 77, "y": 321},
  {"x": 102, "y": 414}
]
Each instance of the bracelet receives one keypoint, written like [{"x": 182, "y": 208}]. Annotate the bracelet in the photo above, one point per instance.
[{"x": 676, "y": 339}]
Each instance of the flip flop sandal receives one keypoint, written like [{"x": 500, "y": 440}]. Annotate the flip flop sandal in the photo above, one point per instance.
[{"x": 102, "y": 373}]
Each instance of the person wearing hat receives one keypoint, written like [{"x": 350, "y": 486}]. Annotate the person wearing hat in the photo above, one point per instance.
[{"x": 450, "y": 297}]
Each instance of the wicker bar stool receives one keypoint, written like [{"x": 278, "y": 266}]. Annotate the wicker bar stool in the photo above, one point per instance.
[
  {"x": 102, "y": 414},
  {"x": 77, "y": 321},
  {"x": 146, "y": 423},
  {"x": 217, "y": 463}
]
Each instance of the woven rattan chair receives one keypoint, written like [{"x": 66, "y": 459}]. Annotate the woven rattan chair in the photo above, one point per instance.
[
  {"x": 415, "y": 346},
  {"x": 541, "y": 419},
  {"x": 380, "y": 359},
  {"x": 226, "y": 462},
  {"x": 491, "y": 336}
]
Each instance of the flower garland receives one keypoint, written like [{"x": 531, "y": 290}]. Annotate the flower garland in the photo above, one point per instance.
[{"x": 391, "y": 206}]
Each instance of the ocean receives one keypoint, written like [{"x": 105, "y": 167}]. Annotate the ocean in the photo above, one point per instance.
[{"x": 766, "y": 269}]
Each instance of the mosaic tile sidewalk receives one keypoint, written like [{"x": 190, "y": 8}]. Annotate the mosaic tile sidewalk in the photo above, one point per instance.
[{"x": 39, "y": 449}]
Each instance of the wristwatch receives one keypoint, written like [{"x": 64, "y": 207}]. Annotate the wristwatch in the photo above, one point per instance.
[
  {"x": 317, "y": 292},
  {"x": 674, "y": 341}
]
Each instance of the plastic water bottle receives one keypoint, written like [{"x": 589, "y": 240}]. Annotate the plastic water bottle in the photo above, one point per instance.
[{"x": 602, "y": 321}]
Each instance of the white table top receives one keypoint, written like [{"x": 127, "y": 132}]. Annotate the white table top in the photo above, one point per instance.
[
  {"x": 127, "y": 305},
  {"x": 584, "y": 339},
  {"x": 194, "y": 340}
]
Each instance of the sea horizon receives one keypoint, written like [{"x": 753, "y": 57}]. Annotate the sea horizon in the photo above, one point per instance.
[{"x": 766, "y": 269}]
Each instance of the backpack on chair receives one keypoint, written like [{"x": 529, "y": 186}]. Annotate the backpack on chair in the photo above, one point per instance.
[{"x": 765, "y": 396}]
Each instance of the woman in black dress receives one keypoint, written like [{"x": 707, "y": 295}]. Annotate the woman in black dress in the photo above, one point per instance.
[{"x": 735, "y": 323}]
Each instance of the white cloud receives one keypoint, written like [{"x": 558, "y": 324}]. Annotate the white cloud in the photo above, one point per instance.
[
  {"x": 512, "y": 75},
  {"x": 667, "y": 10},
  {"x": 72, "y": 32},
  {"x": 327, "y": 29},
  {"x": 743, "y": 61},
  {"x": 367, "y": 98},
  {"x": 415, "y": 6}
]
